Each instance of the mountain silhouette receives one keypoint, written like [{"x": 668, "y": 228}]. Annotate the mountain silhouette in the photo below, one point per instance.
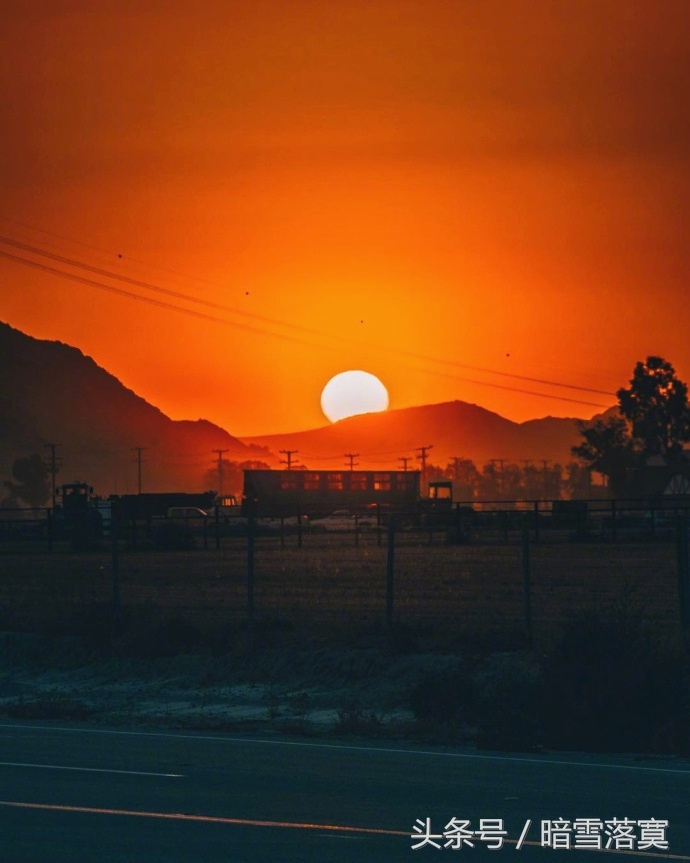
[
  {"x": 452, "y": 429},
  {"x": 53, "y": 393}
]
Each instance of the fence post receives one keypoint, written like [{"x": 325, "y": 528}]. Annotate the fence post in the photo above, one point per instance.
[
  {"x": 299, "y": 528},
  {"x": 526, "y": 584},
  {"x": 614, "y": 529},
  {"x": 49, "y": 529},
  {"x": 536, "y": 520},
  {"x": 683, "y": 577},
  {"x": 390, "y": 572},
  {"x": 250, "y": 568},
  {"x": 217, "y": 523},
  {"x": 115, "y": 566}
]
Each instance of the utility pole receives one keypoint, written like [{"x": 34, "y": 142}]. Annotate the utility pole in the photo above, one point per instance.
[
  {"x": 220, "y": 469},
  {"x": 53, "y": 469},
  {"x": 422, "y": 450},
  {"x": 138, "y": 450},
  {"x": 545, "y": 462},
  {"x": 404, "y": 459},
  {"x": 351, "y": 456},
  {"x": 526, "y": 471},
  {"x": 497, "y": 476},
  {"x": 288, "y": 453}
]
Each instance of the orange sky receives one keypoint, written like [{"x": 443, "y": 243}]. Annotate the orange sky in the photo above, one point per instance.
[{"x": 434, "y": 191}]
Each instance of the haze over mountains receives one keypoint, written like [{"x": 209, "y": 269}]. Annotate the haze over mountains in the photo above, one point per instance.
[
  {"x": 52, "y": 393},
  {"x": 451, "y": 428}
]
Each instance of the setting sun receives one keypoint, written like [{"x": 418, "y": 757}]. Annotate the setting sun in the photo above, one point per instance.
[{"x": 351, "y": 393}]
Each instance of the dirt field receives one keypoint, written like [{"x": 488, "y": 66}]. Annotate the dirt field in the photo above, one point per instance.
[
  {"x": 319, "y": 657},
  {"x": 467, "y": 589}
]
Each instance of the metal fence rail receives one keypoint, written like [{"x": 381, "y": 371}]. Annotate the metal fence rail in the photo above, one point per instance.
[
  {"x": 486, "y": 522},
  {"x": 522, "y": 590}
]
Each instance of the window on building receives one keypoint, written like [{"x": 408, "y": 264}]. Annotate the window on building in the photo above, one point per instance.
[
  {"x": 358, "y": 480},
  {"x": 382, "y": 481},
  {"x": 312, "y": 480}
]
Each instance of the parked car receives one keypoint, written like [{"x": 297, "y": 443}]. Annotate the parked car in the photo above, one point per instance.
[
  {"x": 341, "y": 519},
  {"x": 289, "y": 523},
  {"x": 187, "y": 514}
]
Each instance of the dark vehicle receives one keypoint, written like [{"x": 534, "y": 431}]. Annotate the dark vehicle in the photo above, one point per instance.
[{"x": 77, "y": 517}]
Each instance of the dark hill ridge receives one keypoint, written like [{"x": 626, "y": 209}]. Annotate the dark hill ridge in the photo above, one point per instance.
[
  {"x": 453, "y": 428},
  {"x": 51, "y": 392}
]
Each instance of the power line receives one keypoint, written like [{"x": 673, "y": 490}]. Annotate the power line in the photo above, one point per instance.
[
  {"x": 103, "y": 251},
  {"x": 262, "y": 331},
  {"x": 272, "y": 321},
  {"x": 148, "y": 286},
  {"x": 150, "y": 300}
]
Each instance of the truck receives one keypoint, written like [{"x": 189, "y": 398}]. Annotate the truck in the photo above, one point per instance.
[{"x": 77, "y": 516}]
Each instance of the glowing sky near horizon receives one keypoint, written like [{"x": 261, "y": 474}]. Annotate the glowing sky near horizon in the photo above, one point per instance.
[{"x": 471, "y": 201}]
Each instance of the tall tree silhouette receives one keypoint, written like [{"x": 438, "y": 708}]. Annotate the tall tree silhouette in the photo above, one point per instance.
[
  {"x": 654, "y": 419},
  {"x": 608, "y": 449},
  {"x": 656, "y": 406}
]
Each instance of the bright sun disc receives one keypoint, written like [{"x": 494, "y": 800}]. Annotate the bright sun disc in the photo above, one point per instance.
[{"x": 353, "y": 392}]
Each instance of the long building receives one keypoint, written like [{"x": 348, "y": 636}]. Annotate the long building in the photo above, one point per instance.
[{"x": 275, "y": 493}]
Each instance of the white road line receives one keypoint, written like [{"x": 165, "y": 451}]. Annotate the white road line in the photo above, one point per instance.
[
  {"x": 90, "y": 769},
  {"x": 470, "y": 756}
]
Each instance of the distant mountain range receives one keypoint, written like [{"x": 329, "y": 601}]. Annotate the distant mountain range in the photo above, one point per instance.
[
  {"x": 52, "y": 393},
  {"x": 451, "y": 429}
]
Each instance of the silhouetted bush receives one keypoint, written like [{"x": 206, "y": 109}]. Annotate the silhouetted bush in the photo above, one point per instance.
[
  {"x": 509, "y": 699},
  {"x": 168, "y": 637},
  {"x": 443, "y": 697},
  {"x": 611, "y": 688},
  {"x": 401, "y": 638}
]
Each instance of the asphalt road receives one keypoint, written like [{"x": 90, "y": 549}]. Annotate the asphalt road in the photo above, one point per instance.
[{"x": 79, "y": 794}]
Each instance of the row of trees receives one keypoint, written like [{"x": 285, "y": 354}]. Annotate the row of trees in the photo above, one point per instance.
[{"x": 502, "y": 480}]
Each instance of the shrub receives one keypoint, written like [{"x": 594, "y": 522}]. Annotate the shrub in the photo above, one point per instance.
[
  {"x": 443, "y": 697},
  {"x": 509, "y": 690},
  {"x": 611, "y": 688},
  {"x": 167, "y": 637}
]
